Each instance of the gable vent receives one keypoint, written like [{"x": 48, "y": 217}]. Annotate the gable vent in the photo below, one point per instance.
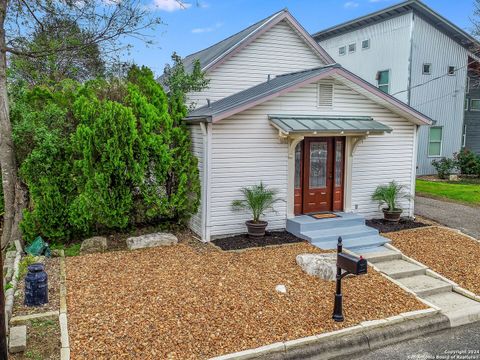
[{"x": 325, "y": 95}]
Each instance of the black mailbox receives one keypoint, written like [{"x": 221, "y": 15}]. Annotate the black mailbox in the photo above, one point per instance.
[{"x": 352, "y": 264}]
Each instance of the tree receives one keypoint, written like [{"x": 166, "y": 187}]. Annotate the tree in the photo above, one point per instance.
[
  {"x": 81, "y": 63},
  {"x": 103, "y": 24}
]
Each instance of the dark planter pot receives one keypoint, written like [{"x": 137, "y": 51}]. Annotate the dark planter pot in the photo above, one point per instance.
[
  {"x": 392, "y": 215},
  {"x": 256, "y": 228}
]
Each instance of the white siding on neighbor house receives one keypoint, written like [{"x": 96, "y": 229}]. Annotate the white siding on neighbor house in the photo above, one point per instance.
[
  {"x": 278, "y": 51},
  {"x": 246, "y": 150},
  {"x": 389, "y": 50},
  {"x": 441, "y": 99},
  {"x": 198, "y": 149}
]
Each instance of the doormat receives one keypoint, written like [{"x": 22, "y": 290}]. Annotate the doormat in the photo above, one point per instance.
[{"x": 324, "y": 216}]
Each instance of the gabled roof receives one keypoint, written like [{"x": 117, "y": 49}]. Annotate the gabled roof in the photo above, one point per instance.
[
  {"x": 220, "y": 51},
  {"x": 285, "y": 83},
  {"x": 438, "y": 21}
]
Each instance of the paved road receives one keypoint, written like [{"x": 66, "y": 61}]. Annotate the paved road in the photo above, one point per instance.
[
  {"x": 441, "y": 345},
  {"x": 461, "y": 217}
]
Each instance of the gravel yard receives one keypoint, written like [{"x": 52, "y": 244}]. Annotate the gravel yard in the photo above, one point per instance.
[
  {"x": 455, "y": 256},
  {"x": 195, "y": 302}
]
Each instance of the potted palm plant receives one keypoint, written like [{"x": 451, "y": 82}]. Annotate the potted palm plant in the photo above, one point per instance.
[
  {"x": 257, "y": 199},
  {"x": 389, "y": 195}
]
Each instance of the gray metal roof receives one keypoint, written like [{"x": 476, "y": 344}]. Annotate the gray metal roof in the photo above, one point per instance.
[
  {"x": 441, "y": 23},
  {"x": 327, "y": 124},
  {"x": 260, "y": 91},
  {"x": 206, "y": 56}
]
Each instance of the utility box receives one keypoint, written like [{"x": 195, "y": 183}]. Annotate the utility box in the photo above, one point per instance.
[{"x": 352, "y": 264}]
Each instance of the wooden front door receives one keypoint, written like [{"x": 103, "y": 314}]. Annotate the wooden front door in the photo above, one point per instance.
[{"x": 319, "y": 175}]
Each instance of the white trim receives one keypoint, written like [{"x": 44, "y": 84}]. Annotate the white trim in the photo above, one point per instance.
[
  {"x": 291, "y": 176},
  {"x": 441, "y": 142},
  {"x": 348, "y": 169},
  {"x": 208, "y": 183}
]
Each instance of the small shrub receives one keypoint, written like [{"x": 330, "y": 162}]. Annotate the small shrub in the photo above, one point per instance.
[
  {"x": 467, "y": 162},
  {"x": 8, "y": 286},
  {"x": 257, "y": 199},
  {"x": 444, "y": 167}
]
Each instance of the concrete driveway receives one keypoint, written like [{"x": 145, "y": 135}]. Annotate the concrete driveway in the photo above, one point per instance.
[{"x": 457, "y": 216}]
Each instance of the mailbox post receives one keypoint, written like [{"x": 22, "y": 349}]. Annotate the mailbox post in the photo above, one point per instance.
[{"x": 350, "y": 265}]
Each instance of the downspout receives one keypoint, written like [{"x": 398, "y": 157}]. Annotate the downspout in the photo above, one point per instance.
[
  {"x": 208, "y": 182},
  {"x": 205, "y": 189},
  {"x": 410, "y": 60}
]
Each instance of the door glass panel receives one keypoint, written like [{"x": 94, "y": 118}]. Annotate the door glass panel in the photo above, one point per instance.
[
  {"x": 318, "y": 165},
  {"x": 338, "y": 162},
  {"x": 298, "y": 165}
]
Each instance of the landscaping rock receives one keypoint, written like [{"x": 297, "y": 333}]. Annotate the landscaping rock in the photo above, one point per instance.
[
  {"x": 281, "y": 289},
  {"x": 93, "y": 245},
  {"x": 151, "y": 240},
  {"x": 18, "y": 339},
  {"x": 321, "y": 265}
]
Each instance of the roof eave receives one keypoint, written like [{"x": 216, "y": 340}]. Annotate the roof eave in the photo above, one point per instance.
[{"x": 198, "y": 119}]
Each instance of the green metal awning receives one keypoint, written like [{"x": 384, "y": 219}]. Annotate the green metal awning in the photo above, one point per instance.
[{"x": 289, "y": 124}]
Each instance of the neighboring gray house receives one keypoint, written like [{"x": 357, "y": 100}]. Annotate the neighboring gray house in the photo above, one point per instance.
[
  {"x": 472, "y": 112},
  {"x": 416, "y": 55}
]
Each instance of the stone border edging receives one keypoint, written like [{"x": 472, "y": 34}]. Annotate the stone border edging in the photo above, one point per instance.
[
  {"x": 10, "y": 293},
  {"x": 62, "y": 317},
  {"x": 17, "y": 320},
  {"x": 368, "y": 335}
]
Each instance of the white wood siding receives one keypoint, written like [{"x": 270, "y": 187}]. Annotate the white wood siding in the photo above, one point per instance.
[
  {"x": 441, "y": 99},
  {"x": 280, "y": 50},
  {"x": 389, "y": 50},
  {"x": 246, "y": 150},
  {"x": 198, "y": 149}
]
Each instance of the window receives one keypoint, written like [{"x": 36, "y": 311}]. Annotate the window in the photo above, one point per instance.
[
  {"x": 298, "y": 166},
  {"x": 427, "y": 69},
  {"x": 383, "y": 79},
  {"x": 342, "y": 50},
  {"x": 352, "y": 48},
  {"x": 435, "y": 141},
  {"x": 366, "y": 44},
  {"x": 325, "y": 95},
  {"x": 451, "y": 70},
  {"x": 475, "y": 105}
]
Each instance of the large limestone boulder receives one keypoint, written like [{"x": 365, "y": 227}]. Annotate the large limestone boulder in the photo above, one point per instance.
[
  {"x": 93, "y": 245},
  {"x": 321, "y": 265},
  {"x": 151, "y": 240}
]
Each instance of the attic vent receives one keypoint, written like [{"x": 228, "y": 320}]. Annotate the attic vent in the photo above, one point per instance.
[{"x": 325, "y": 95}]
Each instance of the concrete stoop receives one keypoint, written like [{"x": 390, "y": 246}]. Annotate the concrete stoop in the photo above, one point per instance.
[{"x": 457, "y": 304}]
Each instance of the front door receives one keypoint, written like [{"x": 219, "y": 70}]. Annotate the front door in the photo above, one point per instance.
[{"x": 319, "y": 175}]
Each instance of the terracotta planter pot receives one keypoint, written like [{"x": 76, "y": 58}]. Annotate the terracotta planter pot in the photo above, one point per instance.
[
  {"x": 392, "y": 215},
  {"x": 256, "y": 228}
]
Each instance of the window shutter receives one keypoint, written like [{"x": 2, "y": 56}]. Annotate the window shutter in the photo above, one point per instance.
[{"x": 325, "y": 95}]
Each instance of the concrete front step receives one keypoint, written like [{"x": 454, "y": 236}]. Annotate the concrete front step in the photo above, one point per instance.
[
  {"x": 352, "y": 243},
  {"x": 424, "y": 285},
  {"x": 459, "y": 309},
  {"x": 378, "y": 254},
  {"x": 398, "y": 269},
  {"x": 324, "y": 235},
  {"x": 304, "y": 223}
]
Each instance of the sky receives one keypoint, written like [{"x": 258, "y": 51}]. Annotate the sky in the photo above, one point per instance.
[{"x": 201, "y": 23}]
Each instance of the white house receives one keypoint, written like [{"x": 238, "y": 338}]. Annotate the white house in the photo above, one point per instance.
[
  {"x": 413, "y": 53},
  {"x": 281, "y": 112}
]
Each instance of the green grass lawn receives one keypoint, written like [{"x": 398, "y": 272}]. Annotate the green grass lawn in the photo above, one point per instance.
[{"x": 465, "y": 191}]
